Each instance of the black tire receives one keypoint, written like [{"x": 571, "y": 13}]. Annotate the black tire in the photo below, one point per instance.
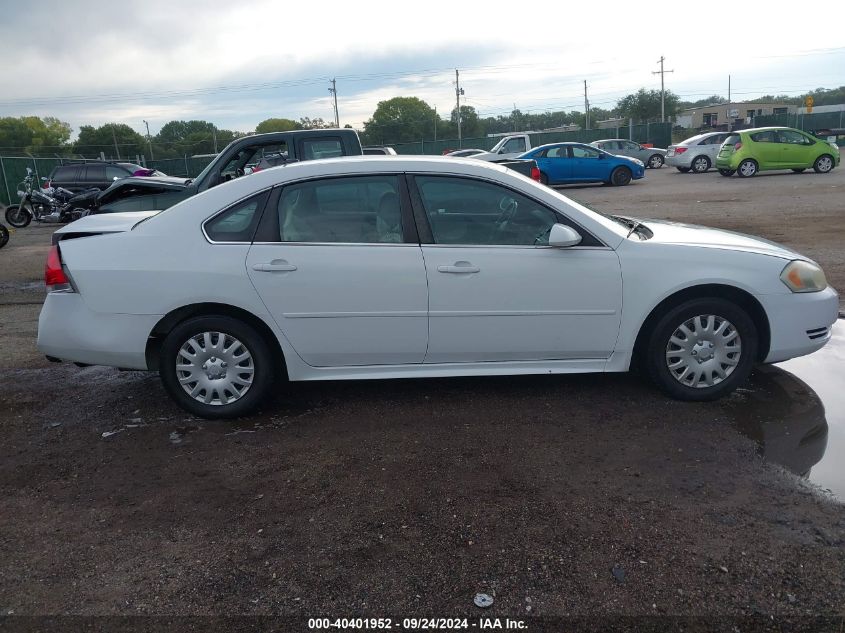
[
  {"x": 683, "y": 170},
  {"x": 800, "y": 171},
  {"x": 620, "y": 177},
  {"x": 727, "y": 172},
  {"x": 659, "y": 339},
  {"x": 18, "y": 216},
  {"x": 655, "y": 161},
  {"x": 700, "y": 164},
  {"x": 824, "y": 164},
  {"x": 261, "y": 365},
  {"x": 747, "y": 168},
  {"x": 544, "y": 179},
  {"x": 4, "y": 236}
]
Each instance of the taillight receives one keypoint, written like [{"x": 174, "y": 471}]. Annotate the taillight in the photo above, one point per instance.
[
  {"x": 535, "y": 174},
  {"x": 737, "y": 145},
  {"x": 680, "y": 150},
  {"x": 54, "y": 275}
]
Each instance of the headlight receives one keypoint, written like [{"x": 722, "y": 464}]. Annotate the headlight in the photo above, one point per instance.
[
  {"x": 801, "y": 276},
  {"x": 639, "y": 162}
]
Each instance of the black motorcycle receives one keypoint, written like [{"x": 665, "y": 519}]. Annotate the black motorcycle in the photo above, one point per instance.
[{"x": 53, "y": 205}]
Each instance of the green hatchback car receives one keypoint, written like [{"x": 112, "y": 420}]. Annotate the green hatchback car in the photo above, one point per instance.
[{"x": 748, "y": 151}]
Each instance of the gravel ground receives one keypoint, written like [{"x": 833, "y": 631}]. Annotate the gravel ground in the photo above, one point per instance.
[{"x": 570, "y": 496}]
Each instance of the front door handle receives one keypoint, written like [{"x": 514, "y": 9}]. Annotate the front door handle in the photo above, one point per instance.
[
  {"x": 459, "y": 267},
  {"x": 277, "y": 265}
]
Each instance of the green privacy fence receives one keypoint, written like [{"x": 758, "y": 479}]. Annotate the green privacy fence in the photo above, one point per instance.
[
  {"x": 186, "y": 167},
  {"x": 658, "y": 134},
  {"x": 806, "y": 122}
]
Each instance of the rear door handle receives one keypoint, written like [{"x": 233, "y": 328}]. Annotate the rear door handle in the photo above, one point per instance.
[
  {"x": 277, "y": 265},
  {"x": 459, "y": 267}
]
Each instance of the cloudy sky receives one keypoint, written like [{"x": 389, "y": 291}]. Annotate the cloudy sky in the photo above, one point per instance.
[{"x": 237, "y": 62}]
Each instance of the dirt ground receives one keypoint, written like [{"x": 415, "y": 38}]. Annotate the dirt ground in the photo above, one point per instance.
[{"x": 562, "y": 497}]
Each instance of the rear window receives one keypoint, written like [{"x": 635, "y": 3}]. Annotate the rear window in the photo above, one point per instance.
[{"x": 322, "y": 148}]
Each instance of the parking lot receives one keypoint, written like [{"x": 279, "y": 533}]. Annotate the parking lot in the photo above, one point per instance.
[{"x": 559, "y": 496}]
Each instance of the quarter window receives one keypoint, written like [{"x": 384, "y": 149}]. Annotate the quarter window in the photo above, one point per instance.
[
  {"x": 237, "y": 223},
  {"x": 474, "y": 212},
  {"x": 363, "y": 209}
]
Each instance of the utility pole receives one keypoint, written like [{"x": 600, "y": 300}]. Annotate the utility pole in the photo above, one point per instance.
[
  {"x": 586, "y": 107},
  {"x": 458, "y": 92},
  {"x": 435, "y": 124},
  {"x": 514, "y": 116},
  {"x": 333, "y": 90},
  {"x": 150, "y": 140},
  {"x": 730, "y": 120},
  {"x": 214, "y": 137},
  {"x": 114, "y": 138},
  {"x": 662, "y": 72}
]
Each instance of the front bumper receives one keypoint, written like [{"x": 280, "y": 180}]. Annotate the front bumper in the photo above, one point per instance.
[
  {"x": 69, "y": 330},
  {"x": 800, "y": 323}
]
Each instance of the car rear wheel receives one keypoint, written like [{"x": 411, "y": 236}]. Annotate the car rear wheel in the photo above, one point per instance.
[
  {"x": 700, "y": 164},
  {"x": 683, "y": 170},
  {"x": 747, "y": 168},
  {"x": 655, "y": 161},
  {"x": 216, "y": 367},
  {"x": 702, "y": 349},
  {"x": 727, "y": 172},
  {"x": 823, "y": 164},
  {"x": 621, "y": 176}
]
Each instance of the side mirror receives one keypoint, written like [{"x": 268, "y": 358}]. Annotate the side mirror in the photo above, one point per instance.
[
  {"x": 115, "y": 178},
  {"x": 563, "y": 236}
]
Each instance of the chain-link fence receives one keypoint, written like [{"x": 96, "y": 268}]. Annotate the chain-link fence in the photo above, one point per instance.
[{"x": 657, "y": 134}]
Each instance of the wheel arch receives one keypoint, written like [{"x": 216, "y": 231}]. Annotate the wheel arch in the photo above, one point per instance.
[
  {"x": 178, "y": 315},
  {"x": 707, "y": 291}
]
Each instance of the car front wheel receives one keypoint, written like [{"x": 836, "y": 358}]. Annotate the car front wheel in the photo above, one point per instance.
[
  {"x": 823, "y": 164},
  {"x": 216, "y": 367},
  {"x": 702, "y": 349},
  {"x": 620, "y": 176}
]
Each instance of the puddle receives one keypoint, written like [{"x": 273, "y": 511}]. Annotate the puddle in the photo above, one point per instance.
[
  {"x": 795, "y": 411},
  {"x": 824, "y": 373}
]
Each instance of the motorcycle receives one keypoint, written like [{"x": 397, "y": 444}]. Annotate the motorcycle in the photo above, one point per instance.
[{"x": 48, "y": 205}]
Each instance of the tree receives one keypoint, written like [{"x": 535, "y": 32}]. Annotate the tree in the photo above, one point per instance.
[
  {"x": 399, "y": 120},
  {"x": 49, "y": 135},
  {"x": 471, "y": 125},
  {"x": 644, "y": 105},
  {"x": 711, "y": 100},
  {"x": 276, "y": 125},
  {"x": 15, "y": 136},
  {"x": 93, "y": 140},
  {"x": 306, "y": 123}
]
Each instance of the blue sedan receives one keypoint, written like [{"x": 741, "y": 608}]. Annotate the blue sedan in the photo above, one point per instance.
[{"x": 564, "y": 163}]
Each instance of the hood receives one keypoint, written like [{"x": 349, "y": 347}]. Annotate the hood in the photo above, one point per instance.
[
  {"x": 705, "y": 237},
  {"x": 105, "y": 223}
]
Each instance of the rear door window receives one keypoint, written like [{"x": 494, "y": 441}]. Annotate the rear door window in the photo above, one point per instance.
[
  {"x": 313, "y": 149},
  {"x": 66, "y": 173},
  {"x": 95, "y": 173},
  {"x": 767, "y": 136}
]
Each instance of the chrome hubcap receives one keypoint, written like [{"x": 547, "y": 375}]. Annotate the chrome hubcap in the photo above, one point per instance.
[
  {"x": 214, "y": 368},
  {"x": 825, "y": 164},
  {"x": 703, "y": 351},
  {"x": 656, "y": 161},
  {"x": 747, "y": 169}
]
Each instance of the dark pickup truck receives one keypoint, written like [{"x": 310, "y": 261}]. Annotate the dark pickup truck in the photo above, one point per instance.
[
  {"x": 525, "y": 166},
  {"x": 242, "y": 156}
]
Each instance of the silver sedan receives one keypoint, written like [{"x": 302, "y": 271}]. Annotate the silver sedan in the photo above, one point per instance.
[
  {"x": 653, "y": 157},
  {"x": 697, "y": 153}
]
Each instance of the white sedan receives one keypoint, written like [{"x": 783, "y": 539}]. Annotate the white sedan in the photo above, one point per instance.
[{"x": 416, "y": 267}]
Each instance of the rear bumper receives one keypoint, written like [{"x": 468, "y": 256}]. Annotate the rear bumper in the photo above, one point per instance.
[
  {"x": 799, "y": 323},
  {"x": 68, "y": 330},
  {"x": 679, "y": 160}
]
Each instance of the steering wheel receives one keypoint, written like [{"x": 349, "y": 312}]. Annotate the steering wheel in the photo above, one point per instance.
[
  {"x": 239, "y": 172},
  {"x": 507, "y": 209}
]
